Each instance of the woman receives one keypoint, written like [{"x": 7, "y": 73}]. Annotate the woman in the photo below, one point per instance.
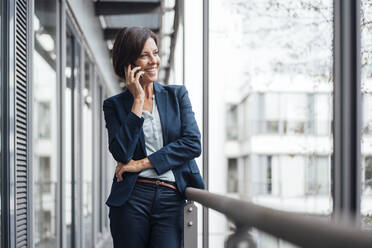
[{"x": 154, "y": 138}]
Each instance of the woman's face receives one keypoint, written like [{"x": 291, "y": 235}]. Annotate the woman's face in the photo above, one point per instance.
[{"x": 149, "y": 61}]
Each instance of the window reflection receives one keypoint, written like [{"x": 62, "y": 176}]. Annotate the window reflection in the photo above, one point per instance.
[
  {"x": 100, "y": 167},
  {"x": 87, "y": 163},
  {"x": 45, "y": 171},
  {"x": 43, "y": 120},
  {"x": 68, "y": 113},
  {"x": 72, "y": 72},
  {"x": 109, "y": 171}
]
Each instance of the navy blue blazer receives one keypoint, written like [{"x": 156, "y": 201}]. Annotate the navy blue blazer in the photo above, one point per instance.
[{"x": 181, "y": 139}]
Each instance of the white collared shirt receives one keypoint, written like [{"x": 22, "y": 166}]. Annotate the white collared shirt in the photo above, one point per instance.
[{"x": 154, "y": 141}]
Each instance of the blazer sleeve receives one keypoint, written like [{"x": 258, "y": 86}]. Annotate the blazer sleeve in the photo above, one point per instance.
[
  {"x": 122, "y": 138},
  {"x": 184, "y": 148}
]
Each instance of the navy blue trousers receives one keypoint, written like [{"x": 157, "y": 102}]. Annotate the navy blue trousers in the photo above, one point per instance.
[{"x": 151, "y": 218}]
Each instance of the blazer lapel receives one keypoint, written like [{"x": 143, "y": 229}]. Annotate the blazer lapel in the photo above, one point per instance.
[{"x": 161, "y": 98}]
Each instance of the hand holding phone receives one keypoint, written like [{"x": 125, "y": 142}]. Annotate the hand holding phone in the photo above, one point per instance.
[{"x": 132, "y": 75}]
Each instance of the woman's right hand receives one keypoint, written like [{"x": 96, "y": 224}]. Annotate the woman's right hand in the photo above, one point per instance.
[{"x": 133, "y": 83}]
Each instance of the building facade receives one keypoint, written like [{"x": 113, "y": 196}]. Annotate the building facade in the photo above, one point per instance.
[{"x": 56, "y": 170}]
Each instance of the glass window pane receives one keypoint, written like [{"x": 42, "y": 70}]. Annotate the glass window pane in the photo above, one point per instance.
[
  {"x": 366, "y": 87},
  {"x": 271, "y": 115},
  {"x": 87, "y": 163},
  {"x": 101, "y": 177},
  {"x": 109, "y": 171},
  {"x": 43, "y": 109},
  {"x": 231, "y": 122},
  {"x": 45, "y": 164},
  {"x": 318, "y": 175},
  {"x": 322, "y": 114},
  {"x": 276, "y": 65},
  {"x": 68, "y": 134},
  {"x": 232, "y": 175}
]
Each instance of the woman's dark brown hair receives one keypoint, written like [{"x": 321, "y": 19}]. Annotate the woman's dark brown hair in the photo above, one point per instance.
[{"x": 128, "y": 46}]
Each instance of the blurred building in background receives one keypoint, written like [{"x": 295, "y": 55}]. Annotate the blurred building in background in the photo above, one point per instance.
[{"x": 271, "y": 95}]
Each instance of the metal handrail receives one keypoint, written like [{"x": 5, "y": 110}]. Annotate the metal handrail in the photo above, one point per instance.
[{"x": 296, "y": 228}]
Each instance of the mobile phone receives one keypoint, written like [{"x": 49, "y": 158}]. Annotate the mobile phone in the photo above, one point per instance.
[{"x": 132, "y": 66}]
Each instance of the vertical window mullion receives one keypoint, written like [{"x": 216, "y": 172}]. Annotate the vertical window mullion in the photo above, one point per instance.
[
  {"x": 205, "y": 116},
  {"x": 346, "y": 128}
]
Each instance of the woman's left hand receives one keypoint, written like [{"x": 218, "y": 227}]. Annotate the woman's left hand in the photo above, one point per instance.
[{"x": 132, "y": 166}]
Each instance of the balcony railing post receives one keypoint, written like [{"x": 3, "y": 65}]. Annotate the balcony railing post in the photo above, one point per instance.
[
  {"x": 190, "y": 225},
  {"x": 242, "y": 237}
]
